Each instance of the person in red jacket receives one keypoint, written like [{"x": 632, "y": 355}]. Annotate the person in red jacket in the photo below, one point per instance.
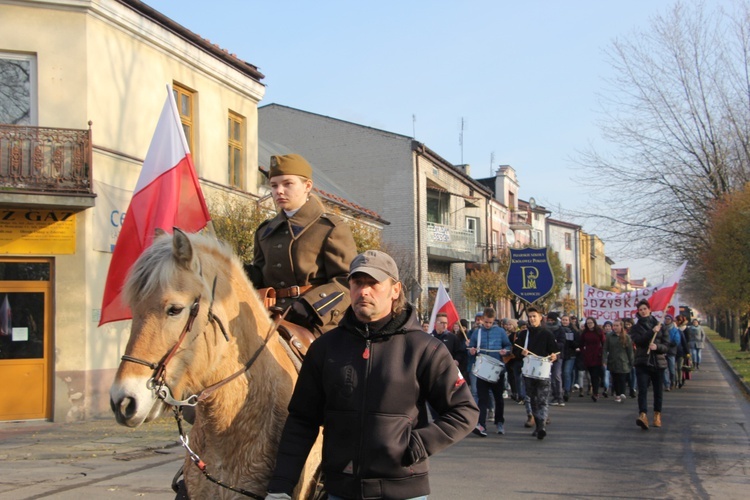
[{"x": 592, "y": 346}]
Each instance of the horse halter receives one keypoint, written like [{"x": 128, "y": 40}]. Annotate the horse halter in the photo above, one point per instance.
[{"x": 157, "y": 380}]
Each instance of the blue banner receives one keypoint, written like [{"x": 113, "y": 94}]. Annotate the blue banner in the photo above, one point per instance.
[{"x": 530, "y": 274}]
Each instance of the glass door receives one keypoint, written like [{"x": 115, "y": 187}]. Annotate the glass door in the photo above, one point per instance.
[{"x": 25, "y": 339}]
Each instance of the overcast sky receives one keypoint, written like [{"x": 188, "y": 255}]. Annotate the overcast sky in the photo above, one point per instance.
[{"x": 523, "y": 76}]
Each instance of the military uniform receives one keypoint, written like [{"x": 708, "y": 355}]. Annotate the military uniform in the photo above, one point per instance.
[{"x": 312, "y": 247}]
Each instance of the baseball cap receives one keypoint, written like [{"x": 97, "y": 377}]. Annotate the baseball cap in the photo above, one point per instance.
[{"x": 374, "y": 263}]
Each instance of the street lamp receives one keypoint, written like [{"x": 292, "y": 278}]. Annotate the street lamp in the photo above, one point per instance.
[
  {"x": 494, "y": 263},
  {"x": 568, "y": 285}
]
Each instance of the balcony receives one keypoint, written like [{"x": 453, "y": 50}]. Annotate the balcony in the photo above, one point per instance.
[
  {"x": 519, "y": 221},
  {"x": 452, "y": 244},
  {"x": 46, "y": 167}
]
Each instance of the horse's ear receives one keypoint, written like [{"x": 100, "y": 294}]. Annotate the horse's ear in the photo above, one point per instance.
[
  {"x": 159, "y": 232},
  {"x": 182, "y": 250}
]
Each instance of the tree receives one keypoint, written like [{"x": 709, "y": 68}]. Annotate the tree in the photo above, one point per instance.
[
  {"x": 678, "y": 115},
  {"x": 235, "y": 219}
]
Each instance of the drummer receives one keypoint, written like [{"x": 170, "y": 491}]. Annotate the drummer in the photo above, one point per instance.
[
  {"x": 491, "y": 340},
  {"x": 538, "y": 341}
]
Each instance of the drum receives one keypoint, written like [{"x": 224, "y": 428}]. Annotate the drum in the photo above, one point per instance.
[
  {"x": 488, "y": 368},
  {"x": 536, "y": 367}
]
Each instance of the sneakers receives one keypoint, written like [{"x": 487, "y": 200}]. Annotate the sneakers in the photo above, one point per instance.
[
  {"x": 566, "y": 396},
  {"x": 576, "y": 387},
  {"x": 618, "y": 399},
  {"x": 521, "y": 401},
  {"x": 623, "y": 397},
  {"x": 632, "y": 393},
  {"x": 479, "y": 430},
  {"x": 554, "y": 403},
  {"x": 529, "y": 421},
  {"x": 657, "y": 419},
  {"x": 642, "y": 421},
  {"x": 580, "y": 393},
  {"x": 561, "y": 403},
  {"x": 500, "y": 428},
  {"x": 540, "y": 433},
  {"x": 594, "y": 398},
  {"x": 605, "y": 394}
]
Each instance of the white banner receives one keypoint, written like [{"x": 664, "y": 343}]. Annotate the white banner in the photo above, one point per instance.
[
  {"x": 111, "y": 205},
  {"x": 609, "y": 306}
]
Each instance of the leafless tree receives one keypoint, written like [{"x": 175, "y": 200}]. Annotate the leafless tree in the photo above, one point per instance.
[
  {"x": 678, "y": 114},
  {"x": 15, "y": 97}
]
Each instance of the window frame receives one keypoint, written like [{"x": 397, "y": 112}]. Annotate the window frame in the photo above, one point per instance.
[
  {"x": 187, "y": 120},
  {"x": 236, "y": 146},
  {"x": 33, "y": 119}
]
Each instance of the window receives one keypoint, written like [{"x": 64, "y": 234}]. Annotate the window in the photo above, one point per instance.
[
  {"x": 17, "y": 89},
  {"x": 235, "y": 144},
  {"x": 567, "y": 241},
  {"x": 536, "y": 239},
  {"x": 568, "y": 272},
  {"x": 437, "y": 207},
  {"x": 511, "y": 200},
  {"x": 184, "y": 99},
  {"x": 472, "y": 224}
]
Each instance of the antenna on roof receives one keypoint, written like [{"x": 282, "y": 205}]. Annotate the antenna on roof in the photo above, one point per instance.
[
  {"x": 492, "y": 160},
  {"x": 413, "y": 126}
]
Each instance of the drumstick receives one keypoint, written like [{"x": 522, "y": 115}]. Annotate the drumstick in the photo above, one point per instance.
[{"x": 524, "y": 349}]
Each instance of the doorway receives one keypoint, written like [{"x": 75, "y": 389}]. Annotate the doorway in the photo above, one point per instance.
[{"x": 25, "y": 338}]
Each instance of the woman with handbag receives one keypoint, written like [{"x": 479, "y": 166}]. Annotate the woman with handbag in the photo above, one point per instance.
[{"x": 651, "y": 345}]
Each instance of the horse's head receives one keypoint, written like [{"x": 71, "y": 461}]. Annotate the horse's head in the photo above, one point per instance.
[{"x": 169, "y": 347}]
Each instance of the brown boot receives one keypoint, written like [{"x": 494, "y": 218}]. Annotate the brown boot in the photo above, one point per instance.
[
  {"x": 657, "y": 419},
  {"x": 642, "y": 421},
  {"x": 529, "y": 421}
]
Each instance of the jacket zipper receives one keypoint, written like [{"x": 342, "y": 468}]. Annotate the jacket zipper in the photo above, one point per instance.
[{"x": 366, "y": 354}]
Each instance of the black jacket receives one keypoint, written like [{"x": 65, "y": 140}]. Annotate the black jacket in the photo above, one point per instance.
[
  {"x": 456, "y": 346},
  {"x": 369, "y": 390},
  {"x": 541, "y": 342},
  {"x": 642, "y": 333}
]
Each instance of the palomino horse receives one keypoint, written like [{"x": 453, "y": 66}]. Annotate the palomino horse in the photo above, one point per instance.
[{"x": 196, "y": 322}]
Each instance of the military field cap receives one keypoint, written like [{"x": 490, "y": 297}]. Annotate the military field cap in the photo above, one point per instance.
[
  {"x": 374, "y": 263},
  {"x": 290, "y": 165}
]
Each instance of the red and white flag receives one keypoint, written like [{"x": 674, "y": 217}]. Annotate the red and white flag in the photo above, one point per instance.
[
  {"x": 662, "y": 297},
  {"x": 443, "y": 304},
  {"x": 167, "y": 195}
]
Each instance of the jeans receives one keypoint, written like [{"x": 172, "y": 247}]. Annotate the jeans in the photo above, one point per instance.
[
  {"x": 619, "y": 381},
  {"x": 645, "y": 375},
  {"x": 484, "y": 388},
  {"x": 696, "y": 353},
  {"x": 670, "y": 379},
  {"x": 678, "y": 362},
  {"x": 568, "y": 368},
  {"x": 632, "y": 382},
  {"x": 606, "y": 383},
  {"x": 538, "y": 393},
  {"x": 556, "y": 381}
]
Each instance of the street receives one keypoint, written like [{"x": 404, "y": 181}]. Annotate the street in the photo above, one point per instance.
[{"x": 593, "y": 450}]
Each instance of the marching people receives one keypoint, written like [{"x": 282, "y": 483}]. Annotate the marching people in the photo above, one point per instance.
[
  {"x": 606, "y": 380},
  {"x": 627, "y": 324},
  {"x": 537, "y": 341},
  {"x": 592, "y": 344},
  {"x": 366, "y": 383},
  {"x": 456, "y": 346},
  {"x": 670, "y": 374},
  {"x": 569, "y": 356},
  {"x": 651, "y": 344},
  {"x": 683, "y": 351},
  {"x": 696, "y": 340},
  {"x": 304, "y": 252},
  {"x": 554, "y": 326},
  {"x": 490, "y": 340},
  {"x": 511, "y": 362},
  {"x": 618, "y": 357}
]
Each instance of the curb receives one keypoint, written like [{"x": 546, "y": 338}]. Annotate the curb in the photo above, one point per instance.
[{"x": 743, "y": 385}]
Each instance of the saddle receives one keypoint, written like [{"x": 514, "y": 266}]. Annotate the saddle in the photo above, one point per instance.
[{"x": 298, "y": 338}]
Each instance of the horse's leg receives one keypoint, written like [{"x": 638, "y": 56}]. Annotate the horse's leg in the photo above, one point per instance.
[{"x": 307, "y": 484}]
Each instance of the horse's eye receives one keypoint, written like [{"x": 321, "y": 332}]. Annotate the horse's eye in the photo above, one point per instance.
[{"x": 174, "y": 310}]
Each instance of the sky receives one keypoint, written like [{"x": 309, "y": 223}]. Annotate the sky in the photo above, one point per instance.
[{"x": 525, "y": 78}]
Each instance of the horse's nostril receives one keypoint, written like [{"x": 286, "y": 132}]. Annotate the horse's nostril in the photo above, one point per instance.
[{"x": 127, "y": 407}]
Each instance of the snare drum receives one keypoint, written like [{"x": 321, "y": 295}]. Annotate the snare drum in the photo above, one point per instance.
[
  {"x": 536, "y": 367},
  {"x": 488, "y": 368}
]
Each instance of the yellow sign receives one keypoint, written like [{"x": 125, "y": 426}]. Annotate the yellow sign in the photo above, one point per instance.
[{"x": 46, "y": 232}]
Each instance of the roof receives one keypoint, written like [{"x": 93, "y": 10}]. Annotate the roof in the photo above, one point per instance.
[
  {"x": 198, "y": 41},
  {"x": 322, "y": 184},
  {"x": 557, "y": 222}
]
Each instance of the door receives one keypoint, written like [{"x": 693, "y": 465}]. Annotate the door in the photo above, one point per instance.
[{"x": 25, "y": 338}]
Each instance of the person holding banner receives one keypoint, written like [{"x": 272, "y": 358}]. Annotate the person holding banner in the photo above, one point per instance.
[
  {"x": 651, "y": 345},
  {"x": 490, "y": 340},
  {"x": 536, "y": 344}
]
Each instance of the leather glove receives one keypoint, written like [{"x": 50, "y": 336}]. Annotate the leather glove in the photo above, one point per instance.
[{"x": 278, "y": 496}]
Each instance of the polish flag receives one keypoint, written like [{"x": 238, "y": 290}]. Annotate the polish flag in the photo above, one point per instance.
[
  {"x": 443, "y": 304},
  {"x": 662, "y": 297},
  {"x": 167, "y": 195}
]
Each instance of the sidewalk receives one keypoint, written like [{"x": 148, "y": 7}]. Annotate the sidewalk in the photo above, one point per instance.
[{"x": 39, "y": 440}]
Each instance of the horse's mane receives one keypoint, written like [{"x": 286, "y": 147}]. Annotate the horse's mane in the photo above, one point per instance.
[{"x": 156, "y": 268}]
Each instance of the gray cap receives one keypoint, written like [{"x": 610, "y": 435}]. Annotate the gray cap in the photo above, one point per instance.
[{"x": 374, "y": 263}]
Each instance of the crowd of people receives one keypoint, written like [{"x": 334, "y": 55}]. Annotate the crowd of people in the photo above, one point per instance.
[{"x": 619, "y": 359}]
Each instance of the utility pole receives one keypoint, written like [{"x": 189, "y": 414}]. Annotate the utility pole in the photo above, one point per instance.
[{"x": 461, "y": 140}]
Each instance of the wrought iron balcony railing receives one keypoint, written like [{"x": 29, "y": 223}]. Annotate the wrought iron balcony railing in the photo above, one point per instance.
[{"x": 45, "y": 160}]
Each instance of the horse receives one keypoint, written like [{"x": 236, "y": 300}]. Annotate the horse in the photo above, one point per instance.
[{"x": 200, "y": 332}]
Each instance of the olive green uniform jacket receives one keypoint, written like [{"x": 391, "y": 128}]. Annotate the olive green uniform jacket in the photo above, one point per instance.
[{"x": 312, "y": 247}]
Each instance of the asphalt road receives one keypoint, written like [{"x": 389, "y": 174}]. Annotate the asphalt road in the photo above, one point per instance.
[{"x": 593, "y": 450}]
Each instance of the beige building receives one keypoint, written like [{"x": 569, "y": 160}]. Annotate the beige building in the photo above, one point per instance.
[{"x": 66, "y": 184}]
